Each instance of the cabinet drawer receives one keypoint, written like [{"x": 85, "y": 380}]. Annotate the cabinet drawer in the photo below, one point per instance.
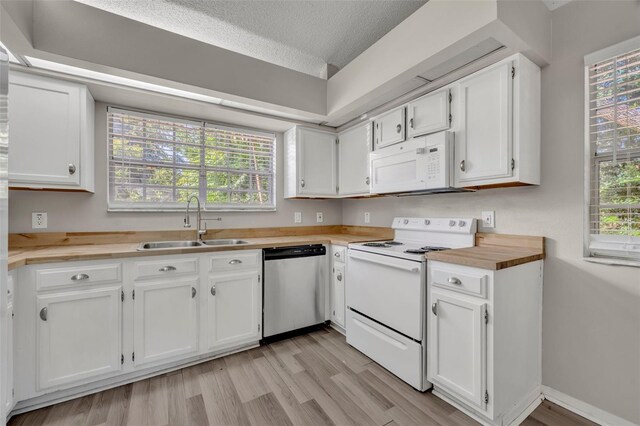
[
  {"x": 339, "y": 253},
  {"x": 166, "y": 267},
  {"x": 236, "y": 260},
  {"x": 79, "y": 275},
  {"x": 463, "y": 282}
]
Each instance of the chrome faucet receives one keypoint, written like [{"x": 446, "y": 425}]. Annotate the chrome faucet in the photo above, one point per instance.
[{"x": 187, "y": 224}]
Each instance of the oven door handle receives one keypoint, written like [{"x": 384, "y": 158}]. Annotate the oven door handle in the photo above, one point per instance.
[{"x": 408, "y": 268}]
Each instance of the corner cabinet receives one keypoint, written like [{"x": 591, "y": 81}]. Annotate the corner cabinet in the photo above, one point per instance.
[
  {"x": 497, "y": 125},
  {"x": 354, "y": 146},
  {"x": 51, "y": 142},
  {"x": 310, "y": 163},
  {"x": 484, "y": 339}
]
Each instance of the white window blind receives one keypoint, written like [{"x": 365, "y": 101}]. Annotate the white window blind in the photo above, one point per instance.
[
  {"x": 614, "y": 151},
  {"x": 157, "y": 162}
]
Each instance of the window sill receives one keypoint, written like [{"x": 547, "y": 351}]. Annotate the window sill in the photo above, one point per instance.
[{"x": 613, "y": 262}]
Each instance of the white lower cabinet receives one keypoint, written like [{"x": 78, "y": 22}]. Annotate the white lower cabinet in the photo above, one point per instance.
[
  {"x": 484, "y": 339},
  {"x": 79, "y": 335},
  {"x": 234, "y": 303},
  {"x": 165, "y": 320}
]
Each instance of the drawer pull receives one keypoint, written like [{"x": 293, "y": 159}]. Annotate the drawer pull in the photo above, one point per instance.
[
  {"x": 80, "y": 277},
  {"x": 339, "y": 277},
  {"x": 43, "y": 314},
  {"x": 193, "y": 292},
  {"x": 434, "y": 309},
  {"x": 454, "y": 280},
  {"x": 235, "y": 262},
  {"x": 213, "y": 290},
  {"x": 336, "y": 254},
  {"x": 167, "y": 268}
]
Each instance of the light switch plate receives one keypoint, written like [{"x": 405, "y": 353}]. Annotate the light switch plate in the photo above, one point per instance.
[
  {"x": 297, "y": 217},
  {"x": 488, "y": 219},
  {"x": 319, "y": 217},
  {"x": 39, "y": 220},
  {"x": 367, "y": 217}
]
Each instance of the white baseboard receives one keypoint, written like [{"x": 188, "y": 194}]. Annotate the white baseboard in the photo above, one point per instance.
[{"x": 583, "y": 409}]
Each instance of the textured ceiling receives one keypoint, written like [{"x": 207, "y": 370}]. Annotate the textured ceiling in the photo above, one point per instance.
[{"x": 304, "y": 35}]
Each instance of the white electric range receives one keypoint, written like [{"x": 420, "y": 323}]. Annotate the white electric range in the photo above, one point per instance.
[{"x": 387, "y": 296}]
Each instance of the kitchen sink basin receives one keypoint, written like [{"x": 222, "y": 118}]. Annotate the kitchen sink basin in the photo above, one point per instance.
[
  {"x": 229, "y": 242},
  {"x": 165, "y": 245}
]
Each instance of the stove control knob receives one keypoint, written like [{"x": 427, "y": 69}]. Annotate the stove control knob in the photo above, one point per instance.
[
  {"x": 452, "y": 223},
  {"x": 462, "y": 223},
  {"x": 427, "y": 221},
  {"x": 406, "y": 221}
]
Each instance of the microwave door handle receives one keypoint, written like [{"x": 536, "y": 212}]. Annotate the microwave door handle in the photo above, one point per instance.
[{"x": 408, "y": 268}]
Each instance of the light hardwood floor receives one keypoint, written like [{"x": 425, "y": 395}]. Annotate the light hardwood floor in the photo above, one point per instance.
[{"x": 315, "y": 379}]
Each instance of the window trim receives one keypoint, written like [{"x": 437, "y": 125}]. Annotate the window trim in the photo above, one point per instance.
[
  {"x": 115, "y": 207},
  {"x": 608, "y": 249}
]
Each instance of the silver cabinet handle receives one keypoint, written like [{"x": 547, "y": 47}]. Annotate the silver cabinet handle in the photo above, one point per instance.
[
  {"x": 367, "y": 180},
  {"x": 235, "y": 261},
  {"x": 462, "y": 166},
  {"x": 337, "y": 254},
  {"x": 434, "y": 309},
  {"x": 193, "y": 292},
  {"x": 399, "y": 128},
  {"x": 213, "y": 290},
  {"x": 43, "y": 314},
  {"x": 454, "y": 280},
  {"x": 167, "y": 269},
  {"x": 339, "y": 277},
  {"x": 72, "y": 168},
  {"x": 411, "y": 123},
  {"x": 80, "y": 277},
  {"x": 302, "y": 183}
]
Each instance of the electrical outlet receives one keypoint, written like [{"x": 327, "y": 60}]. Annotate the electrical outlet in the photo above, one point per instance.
[
  {"x": 319, "y": 217},
  {"x": 297, "y": 217},
  {"x": 38, "y": 220},
  {"x": 367, "y": 217},
  {"x": 488, "y": 219}
]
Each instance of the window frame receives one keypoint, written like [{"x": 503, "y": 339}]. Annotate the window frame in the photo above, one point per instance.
[
  {"x": 609, "y": 249},
  {"x": 153, "y": 207}
]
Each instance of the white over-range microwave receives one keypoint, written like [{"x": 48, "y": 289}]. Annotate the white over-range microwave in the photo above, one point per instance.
[{"x": 420, "y": 165}]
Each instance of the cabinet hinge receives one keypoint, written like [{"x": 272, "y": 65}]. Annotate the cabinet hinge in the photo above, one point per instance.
[
  {"x": 450, "y": 118},
  {"x": 513, "y": 163},
  {"x": 133, "y": 294},
  {"x": 337, "y": 189},
  {"x": 122, "y": 295},
  {"x": 486, "y": 397},
  {"x": 337, "y": 141},
  {"x": 486, "y": 316},
  {"x": 450, "y": 97},
  {"x": 13, "y": 392},
  {"x": 258, "y": 327},
  {"x": 334, "y": 313},
  {"x": 259, "y": 278},
  {"x": 513, "y": 72},
  {"x": 133, "y": 356},
  {"x": 121, "y": 359}
]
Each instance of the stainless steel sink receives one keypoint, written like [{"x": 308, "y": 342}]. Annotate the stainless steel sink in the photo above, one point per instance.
[
  {"x": 166, "y": 245},
  {"x": 229, "y": 242}
]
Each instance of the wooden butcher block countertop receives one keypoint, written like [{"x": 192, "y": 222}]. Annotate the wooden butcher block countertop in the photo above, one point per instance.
[
  {"x": 494, "y": 252},
  {"x": 27, "y": 249}
]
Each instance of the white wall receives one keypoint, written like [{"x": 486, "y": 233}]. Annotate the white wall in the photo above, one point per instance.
[
  {"x": 591, "y": 312},
  {"x": 88, "y": 212}
]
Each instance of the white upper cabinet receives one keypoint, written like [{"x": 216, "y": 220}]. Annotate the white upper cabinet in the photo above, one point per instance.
[
  {"x": 79, "y": 335},
  {"x": 52, "y": 134},
  {"x": 498, "y": 131},
  {"x": 429, "y": 114},
  {"x": 310, "y": 163},
  {"x": 389, "y": 128},
  {"x": 353, "y": 160}
]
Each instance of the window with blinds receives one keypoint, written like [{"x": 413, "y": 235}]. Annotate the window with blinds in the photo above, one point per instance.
[
  {"x": 157, "y": 163},
  {"x": 614, "y": 151}
]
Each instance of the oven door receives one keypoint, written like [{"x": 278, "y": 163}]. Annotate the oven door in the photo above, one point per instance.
[{"x": 388, "y": 290}]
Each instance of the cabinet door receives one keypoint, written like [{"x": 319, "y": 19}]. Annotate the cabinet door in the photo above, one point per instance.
[
  {"x": 234, "y": 308},
  {"x": 353, "y": 160},
  {"x": 317, "y": 163},
  {"x": 484, "y": 142},
  {"x": 337, "y": 296},
  {"x": 429, "y": 114},
  {"x": 458, "y": 346},
  {"x": 45, "y": 131},
  {"x": 165, "y": 320},
  {"x": 389, "y": 128},
  {"x": 79, "y": 335}
]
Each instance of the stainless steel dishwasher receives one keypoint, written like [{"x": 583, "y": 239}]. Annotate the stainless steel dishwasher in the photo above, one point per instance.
[{"x": 295, "y": 286}]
